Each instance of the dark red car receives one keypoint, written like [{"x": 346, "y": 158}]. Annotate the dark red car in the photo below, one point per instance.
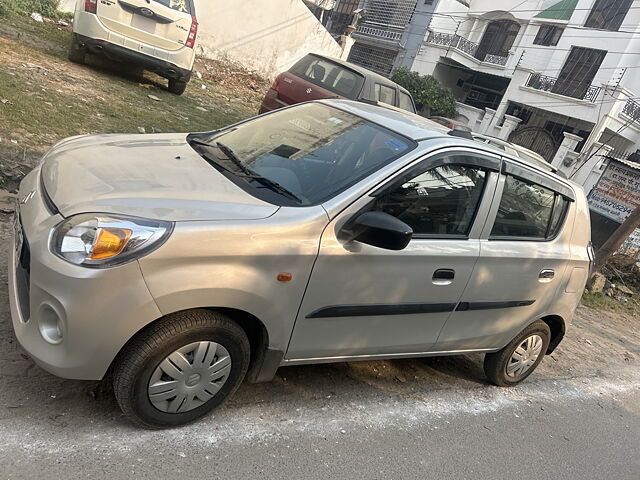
[{"x": 315, "y": 77}]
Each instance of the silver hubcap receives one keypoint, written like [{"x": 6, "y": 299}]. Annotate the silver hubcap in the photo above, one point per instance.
[
  {"x": 524, "y": 356},
  {"x": 189, "y": 377}
]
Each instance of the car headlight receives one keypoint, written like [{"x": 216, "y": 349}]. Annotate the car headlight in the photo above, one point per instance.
[{"x": 105, "y": 241}]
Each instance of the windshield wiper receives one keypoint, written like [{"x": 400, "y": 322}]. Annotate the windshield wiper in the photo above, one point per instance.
[
  {"x": 276, "y": 187},
  {"x": 247, "y": 172}
]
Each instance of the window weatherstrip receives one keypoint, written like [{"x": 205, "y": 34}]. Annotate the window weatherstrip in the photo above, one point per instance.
[
  {"x": 448, "y": 158},
  {"x": 533, "y": 177}
]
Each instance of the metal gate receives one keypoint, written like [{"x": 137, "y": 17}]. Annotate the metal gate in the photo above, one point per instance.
[{"x": 536, "y": 139}]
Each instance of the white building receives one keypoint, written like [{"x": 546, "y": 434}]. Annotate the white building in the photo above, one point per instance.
[{"x": 557, "y": 76}]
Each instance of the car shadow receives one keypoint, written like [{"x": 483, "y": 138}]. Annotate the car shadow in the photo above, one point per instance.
[{"x": 124, "y": 71}]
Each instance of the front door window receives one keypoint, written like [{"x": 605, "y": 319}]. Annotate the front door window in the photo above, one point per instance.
[{"x": 441, "y": 201}]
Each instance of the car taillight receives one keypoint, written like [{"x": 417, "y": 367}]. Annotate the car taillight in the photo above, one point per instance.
[
  {"x": 90, "y": 6},
  {"x": 193, "y": 33}
]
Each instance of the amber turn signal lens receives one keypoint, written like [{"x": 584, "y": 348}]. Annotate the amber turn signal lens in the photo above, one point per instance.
[
  {"x": 110, "y": 242},
  {"x": 285, "y": 277}
]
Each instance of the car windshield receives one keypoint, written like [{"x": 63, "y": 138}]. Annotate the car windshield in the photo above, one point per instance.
[
  {"x": 302, "y": 155},
  {"x": 331, "y": 76}
]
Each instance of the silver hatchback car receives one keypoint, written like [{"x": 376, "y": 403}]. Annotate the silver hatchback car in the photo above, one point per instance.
[{"x": 323, "y": 232}]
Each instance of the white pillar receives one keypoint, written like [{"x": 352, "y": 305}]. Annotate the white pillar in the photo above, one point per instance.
[
  {"x": 489, "y": 115},
  {"x": 346, "y": 42},
  {"x": 509, "y": 125},
  {"x": 569, "y": 144}
]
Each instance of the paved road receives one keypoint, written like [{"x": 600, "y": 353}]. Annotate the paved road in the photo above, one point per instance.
[
  {"x": 579, "y": 429},
  {"x": 577, "y": 417}
]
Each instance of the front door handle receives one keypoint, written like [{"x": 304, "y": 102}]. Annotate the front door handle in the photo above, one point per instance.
[
  {"x": 546, "y": 275},
  {"x": 443, "y": 276}
]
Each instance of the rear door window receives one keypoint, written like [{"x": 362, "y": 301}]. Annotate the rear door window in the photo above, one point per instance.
[
  {"x": 329, "y": 75},
  {"x": 385, "y": 94},
  {"x": 406, "y": 103},
  {"x": 528, "y": 211}
]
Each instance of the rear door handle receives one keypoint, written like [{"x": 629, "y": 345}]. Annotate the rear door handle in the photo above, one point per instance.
[
  {"x": 443, "y": 276},
  {"x": 547, "y": 274}
]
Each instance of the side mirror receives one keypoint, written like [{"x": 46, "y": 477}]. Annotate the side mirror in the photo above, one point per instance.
[{"x": 381, "y": 230}]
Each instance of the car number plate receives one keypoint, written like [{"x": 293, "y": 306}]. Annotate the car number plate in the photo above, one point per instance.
[{"x": 143, "y": 23}]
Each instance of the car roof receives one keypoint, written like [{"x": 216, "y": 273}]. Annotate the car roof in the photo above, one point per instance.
[
  {"x": 361, "y": 70},
  {"x": 450, "y": 120},
  {"x": 403, "y": 122},
  {"x": 420, "y": 129},
  {"x": 489, "y": 137}
]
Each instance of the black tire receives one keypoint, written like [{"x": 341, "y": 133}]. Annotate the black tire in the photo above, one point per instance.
[
  {"x": 495, "y": 364},
  {"x": 77, "y": 51},
  {"x": 142, "y": 355},
  {"x": 177, "y": 87}
]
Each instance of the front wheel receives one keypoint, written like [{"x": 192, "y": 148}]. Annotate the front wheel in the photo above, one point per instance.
[
  {"x": 180, "y": 368},
  {"x": 516, "y": 361},
  {"x": 177, "y": 87}
]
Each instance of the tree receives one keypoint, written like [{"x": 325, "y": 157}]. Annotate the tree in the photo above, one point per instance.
[
  {"x": 617, "y": 239},
  {"x": 427, "y": 92}
]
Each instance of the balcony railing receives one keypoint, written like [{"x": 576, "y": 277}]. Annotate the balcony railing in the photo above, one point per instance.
[
  {"x": 466, "y": 46},
  {"x": 379, "y": 33},
  {"x": 568, "y": 88},
  {"x": 632, "y": 110}
]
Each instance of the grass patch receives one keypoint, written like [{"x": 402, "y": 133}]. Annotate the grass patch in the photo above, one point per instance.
[
  {"x": 49, "y": 98},
  {"x": 36, "y": 111},
  {"x": 45, "y": 98},
  {"x": 600, "y": 301},
  {"x": 46, "y": 8},
  {"x": 29, "y": 35}
]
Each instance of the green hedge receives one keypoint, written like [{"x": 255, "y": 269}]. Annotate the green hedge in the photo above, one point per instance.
[{"x": 427, "y": 92}]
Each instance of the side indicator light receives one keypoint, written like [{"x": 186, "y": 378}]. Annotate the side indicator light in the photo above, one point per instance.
[{"x": 285, "y": 277}]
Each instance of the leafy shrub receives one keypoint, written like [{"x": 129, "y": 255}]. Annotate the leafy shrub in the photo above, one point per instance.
[
  {"x": 46, "y": 8},
  {"x": 427, "y": 92}
]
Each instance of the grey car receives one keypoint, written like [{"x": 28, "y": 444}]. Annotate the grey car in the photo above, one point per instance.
[{"x": 328, "y": 231}]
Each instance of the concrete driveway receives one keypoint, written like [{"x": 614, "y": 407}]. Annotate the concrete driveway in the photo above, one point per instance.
[{"x": 578, "y": 416}]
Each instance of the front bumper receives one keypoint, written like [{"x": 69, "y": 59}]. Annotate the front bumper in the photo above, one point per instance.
[{"x": 96, "y": 310}]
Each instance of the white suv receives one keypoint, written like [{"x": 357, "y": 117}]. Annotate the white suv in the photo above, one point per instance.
[{"x": 159, "y": 35}]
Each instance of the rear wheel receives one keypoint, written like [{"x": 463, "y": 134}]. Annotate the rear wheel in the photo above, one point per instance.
[
  {"x": 180, "y": 368},
  {"x": 77, "y": 51},
  {"x": 519, "y": 359},
  {"x": 177, "y": 87}
]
